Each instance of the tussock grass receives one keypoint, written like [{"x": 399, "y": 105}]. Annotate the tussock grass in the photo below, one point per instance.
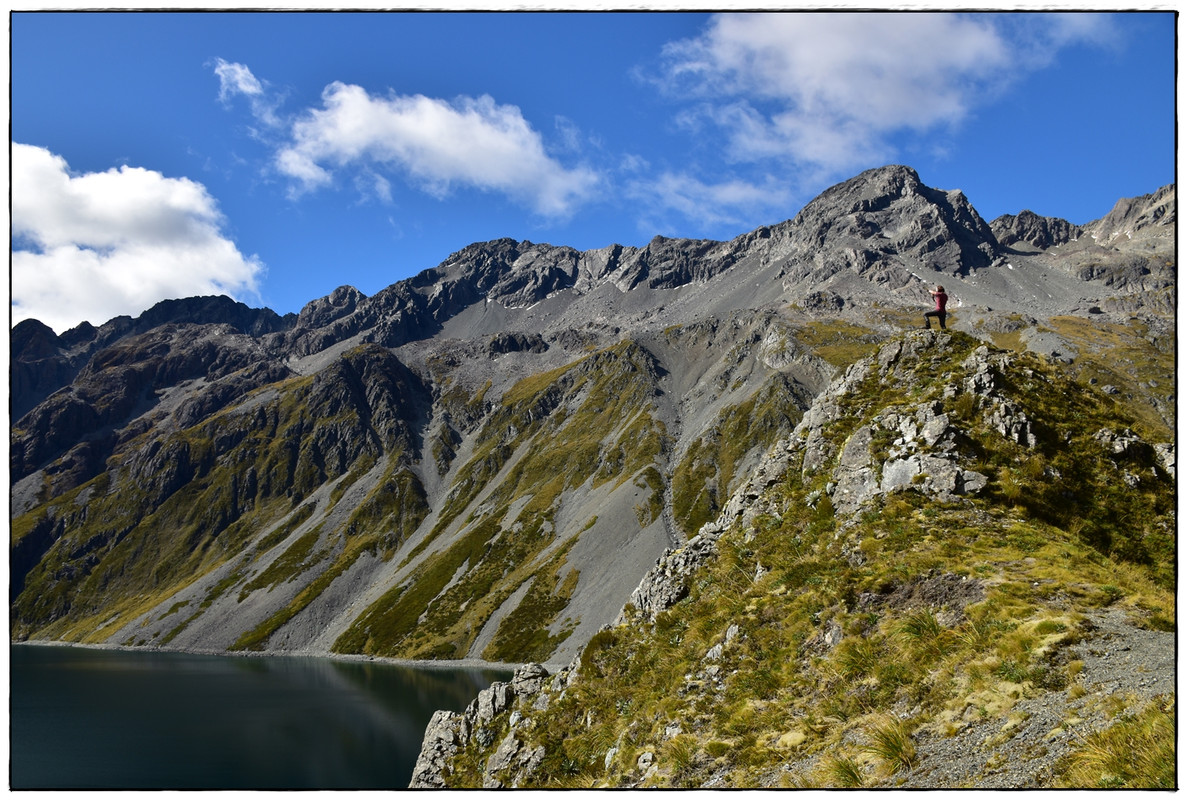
[
  {"x": 840, "y": 772},
  {"x": 781, "y": 674},
  {"x": 837, "y": 341},
  {"x": 1137, "y": 752},
  {"x": 891, "y": 743}
]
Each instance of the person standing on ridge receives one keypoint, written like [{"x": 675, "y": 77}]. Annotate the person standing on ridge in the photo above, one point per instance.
[{"x": 940, "y": 312}]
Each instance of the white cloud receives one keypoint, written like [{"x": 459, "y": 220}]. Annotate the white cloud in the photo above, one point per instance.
[
  {"x": 728, "y": 203},
  {"x": 470, "y": 142},
  {"x": 97, "y": 245},
  {"x": 236, "y": 79},
  {"x": 826, "y": 91}
]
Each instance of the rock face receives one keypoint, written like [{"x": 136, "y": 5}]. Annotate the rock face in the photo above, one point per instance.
[
  {"x": 1031, "y": 229},
  {"x": 449, "y": 732},
  {"x": 1146, "y": 219},
  {"x": 886, "y": 223},
  {"x": 484, "y": 460}
]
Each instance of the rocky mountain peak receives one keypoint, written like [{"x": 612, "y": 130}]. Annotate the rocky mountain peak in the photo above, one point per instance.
[
  {"x": 1029, "y": 228},
  {"x": 1150, "y": 216},
  {"x": 513, "y": 273},
  {"x": 886, "y": 218},
  {"x": 324, "y": 310},
  {"x": 34, "y": 339},
  {"x": 213, "y": 309}
]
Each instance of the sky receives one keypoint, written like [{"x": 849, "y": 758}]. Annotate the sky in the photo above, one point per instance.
[{"x": 275, "y": 156}]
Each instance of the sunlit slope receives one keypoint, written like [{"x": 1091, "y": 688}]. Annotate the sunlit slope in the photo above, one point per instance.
[
  {"x": 365, "y": 509},
  {"x": 917, "y": 559}
]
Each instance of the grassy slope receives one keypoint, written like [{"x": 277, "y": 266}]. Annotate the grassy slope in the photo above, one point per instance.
[
  {"x": 131, "y": 539},
  {"x": 125, "y": 550},
  {"x": 1054, "y": 534},
  {"x": 588, "y": 421}
]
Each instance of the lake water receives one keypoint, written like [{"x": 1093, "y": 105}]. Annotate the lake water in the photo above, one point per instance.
[{"x": 104, "y": 719}]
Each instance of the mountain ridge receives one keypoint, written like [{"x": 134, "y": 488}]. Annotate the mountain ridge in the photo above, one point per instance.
[
  {"x": 286, "y": 474},
  {"x": 881, "y": 578}
]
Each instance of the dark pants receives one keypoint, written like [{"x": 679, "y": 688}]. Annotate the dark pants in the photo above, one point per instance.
[{"x": 940, "y": 315}]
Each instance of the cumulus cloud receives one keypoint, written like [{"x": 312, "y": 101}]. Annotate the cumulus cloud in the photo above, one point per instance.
[
  {"x": 827, "y": 92},
  {"x": 437, "y": 145},
  {"x": 96, "y": 245}
]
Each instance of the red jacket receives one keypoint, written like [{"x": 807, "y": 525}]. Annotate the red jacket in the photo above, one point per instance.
[{"x": 941, "y": 301}]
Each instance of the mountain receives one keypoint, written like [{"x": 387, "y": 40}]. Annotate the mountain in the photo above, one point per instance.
[
  {"x": 956, "y": 571},
  {"x": 484, "y": 461}
]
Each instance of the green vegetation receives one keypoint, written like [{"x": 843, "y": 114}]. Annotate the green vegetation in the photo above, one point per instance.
[
  {"x": 594, "y": 415},
  {"x": 171, "y": 509},
  {"x": 838, "y": 341},
  {"x": 707, "y": 474},
  {"x": 807, "y": 635},
  {"x": 293, "y": 562},
  {"x": 392, "y": 511},
  {"x": 1138, "y": 752},
  {"x": 1129, "y": 357},
  {"x": 816, "y": 639},
  {"x": 523, "y": 634}
]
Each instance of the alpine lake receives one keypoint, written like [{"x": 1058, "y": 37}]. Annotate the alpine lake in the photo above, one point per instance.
[{"x": 86, "y": 718}]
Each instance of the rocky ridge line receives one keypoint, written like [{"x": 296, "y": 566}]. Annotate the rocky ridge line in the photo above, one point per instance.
[{"x": 925, "y": 444}]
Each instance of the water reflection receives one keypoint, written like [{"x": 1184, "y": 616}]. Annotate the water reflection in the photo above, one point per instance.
[{"x": 112, "y": 719}]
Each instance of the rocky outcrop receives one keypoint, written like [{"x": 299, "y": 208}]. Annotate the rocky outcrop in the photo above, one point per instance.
[
  {"x": 918, "y": 450},
  {"x": 509, "y": 342},
  {"x": 449, "y": 732},
  {"x": 919, "y": 454}
]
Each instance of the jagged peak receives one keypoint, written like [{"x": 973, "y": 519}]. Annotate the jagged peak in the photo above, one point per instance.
[
  {"x": 1030, "y": 228},
  {"x": 324, "y": 310},
  {"x": 887, "y": 218}
]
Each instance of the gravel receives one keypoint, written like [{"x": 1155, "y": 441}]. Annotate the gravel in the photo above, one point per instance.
[{"x": 1120, "y": 660}]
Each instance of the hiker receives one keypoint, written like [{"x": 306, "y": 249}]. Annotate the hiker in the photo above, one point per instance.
[{"x": 940, "y": 311}]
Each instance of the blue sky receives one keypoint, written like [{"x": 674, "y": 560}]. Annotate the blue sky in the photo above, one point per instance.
[{"x": 276, "y": 156}]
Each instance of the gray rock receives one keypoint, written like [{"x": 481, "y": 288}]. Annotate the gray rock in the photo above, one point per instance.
[
  {"x": 502, "y": 759},
  {"x": 528, "y": 679},
  {"x": 1029, "y": 228},
  {"x": 1166, "y": 456},
  {"x": 856, "y": 480},
  {"x": 449, "y": 732},
  {"x": 442, "y": 740},
  {"x": 494, "y": 700}
]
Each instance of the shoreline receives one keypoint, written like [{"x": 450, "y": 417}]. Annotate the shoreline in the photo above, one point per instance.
[{"x": 357, "y": 658}]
